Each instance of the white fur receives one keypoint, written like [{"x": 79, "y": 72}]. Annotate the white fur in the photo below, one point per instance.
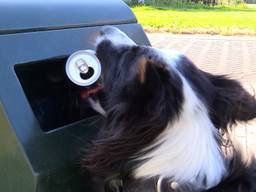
[
  {"x": 116, "y": 36},
  {"x": 95, "y": 104},
  {"x": 187, "y": 151},
  {"x": 170, "y": 56}
]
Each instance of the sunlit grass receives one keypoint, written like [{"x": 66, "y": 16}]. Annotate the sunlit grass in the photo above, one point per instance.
[{"x": 218, "y": 20}]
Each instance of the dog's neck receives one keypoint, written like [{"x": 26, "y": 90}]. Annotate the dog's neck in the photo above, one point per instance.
[{"x": 187, "y": 151}]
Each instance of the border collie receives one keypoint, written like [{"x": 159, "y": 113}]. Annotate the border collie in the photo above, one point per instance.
[{"x": 167, "y": 123}]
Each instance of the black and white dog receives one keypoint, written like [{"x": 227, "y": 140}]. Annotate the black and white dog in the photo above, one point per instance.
[{"x": 167, "y": 125}]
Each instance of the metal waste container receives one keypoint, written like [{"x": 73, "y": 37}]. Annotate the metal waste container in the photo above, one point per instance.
[{"x": 42, "y": 123}]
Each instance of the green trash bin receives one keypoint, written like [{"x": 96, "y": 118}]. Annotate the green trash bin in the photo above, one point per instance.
[{"x": 42, "y": 123}]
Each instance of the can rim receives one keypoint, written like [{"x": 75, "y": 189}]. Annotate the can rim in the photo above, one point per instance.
[{"x": 97, "y": 74}]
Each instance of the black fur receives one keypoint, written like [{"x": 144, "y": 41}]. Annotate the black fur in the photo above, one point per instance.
[
  {"x": 220, "y": 94},
  {"x": 138, "y": 111}
]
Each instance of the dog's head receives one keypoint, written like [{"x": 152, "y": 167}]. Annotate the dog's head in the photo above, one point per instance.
[
  {"x": 145, "y": 80},
  {"x": 136, "y": 78},
  {"x": 147, "y": 89}
]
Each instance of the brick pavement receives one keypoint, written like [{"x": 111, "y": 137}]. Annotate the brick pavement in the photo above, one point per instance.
[{"x": 234, "y": 56}]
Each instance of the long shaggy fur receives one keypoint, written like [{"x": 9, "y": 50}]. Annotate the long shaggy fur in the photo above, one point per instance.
[{"x": 149, "y": 92}]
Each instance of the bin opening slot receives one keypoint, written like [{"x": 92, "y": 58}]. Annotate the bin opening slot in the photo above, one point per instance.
[{"x": 55, "y": 101}]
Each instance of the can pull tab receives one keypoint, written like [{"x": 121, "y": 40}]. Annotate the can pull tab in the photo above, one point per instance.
[{"x": 82, "y": 66}]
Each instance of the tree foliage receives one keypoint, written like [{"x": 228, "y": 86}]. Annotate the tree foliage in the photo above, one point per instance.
[{"x": 203, "y": 2}]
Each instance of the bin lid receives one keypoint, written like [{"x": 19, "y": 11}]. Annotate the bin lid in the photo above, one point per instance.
[{"x": 41, "y": 15}]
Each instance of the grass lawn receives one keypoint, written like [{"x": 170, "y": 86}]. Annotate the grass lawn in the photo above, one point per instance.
[{"x": 218, "y": 20}]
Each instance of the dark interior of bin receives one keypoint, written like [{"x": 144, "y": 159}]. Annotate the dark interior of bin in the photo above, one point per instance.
[{"x": 54, "y": 100}]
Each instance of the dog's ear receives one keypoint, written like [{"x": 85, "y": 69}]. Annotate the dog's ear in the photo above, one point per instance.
[
  {"x": 142, "y": 66},
  {"x": 232, "y": 102},
  {"x": 156, "y": 88},
  {"x": 148, "y": 67}
]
